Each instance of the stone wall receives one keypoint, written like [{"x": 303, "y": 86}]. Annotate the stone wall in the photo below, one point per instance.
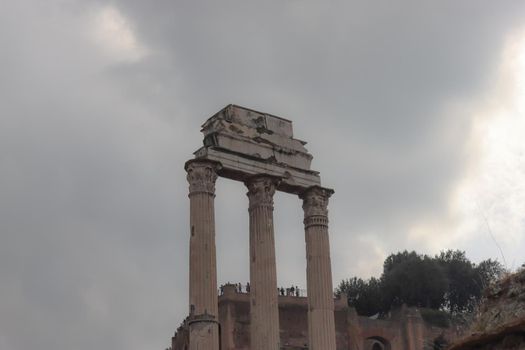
[{"x": 404, "y": 330}]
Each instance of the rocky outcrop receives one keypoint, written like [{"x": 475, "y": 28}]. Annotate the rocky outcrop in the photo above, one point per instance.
[{"x": 500, "y": 323}]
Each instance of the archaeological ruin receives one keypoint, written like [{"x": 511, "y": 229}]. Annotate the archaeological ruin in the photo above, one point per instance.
[
  {"x": 500, "y": 323},
  {"x": 259, "y": 150}
]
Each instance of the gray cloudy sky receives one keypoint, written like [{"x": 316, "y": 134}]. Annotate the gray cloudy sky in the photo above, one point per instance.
[{"x": 413, "y": 110}]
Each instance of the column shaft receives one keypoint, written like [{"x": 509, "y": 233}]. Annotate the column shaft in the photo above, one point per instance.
[
  {"x": 321, "y": 322},
  {"x": 264, "y": 307},
  {"x": 204, "y": 328}
]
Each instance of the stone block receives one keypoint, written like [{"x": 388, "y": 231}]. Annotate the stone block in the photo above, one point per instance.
[{"x": 247, "y": 143}]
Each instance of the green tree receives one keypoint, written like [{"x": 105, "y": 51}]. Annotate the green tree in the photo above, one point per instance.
[
  {"x": 464, "y": 280},
  {"x": 365, "y": 296},
  {"x": 489, "y": 272},
  {"x": 415, "y": 280},
  {"x": 449, "y": 281},
  {"x": 394, "y": 260}
]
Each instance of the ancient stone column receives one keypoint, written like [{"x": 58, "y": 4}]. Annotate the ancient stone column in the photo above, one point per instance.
[
  {"x": 203, "y": 321},
  {"x": 321, "y": 323},
  {"x": 264, "y": 308}
]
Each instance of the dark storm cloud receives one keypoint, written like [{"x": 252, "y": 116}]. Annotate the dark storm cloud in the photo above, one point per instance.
[
  {"x": 377, "y": 79},
  {"x": 93, "y": 195},
  {"x": 81, "y": 164}
]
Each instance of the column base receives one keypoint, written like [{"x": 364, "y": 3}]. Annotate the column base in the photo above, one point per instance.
[{"x": 204, "y": 332}]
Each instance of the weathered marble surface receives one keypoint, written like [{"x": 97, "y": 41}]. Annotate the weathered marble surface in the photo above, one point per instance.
[
  {"x": 264, "y": 306},
  {"x": 321, "y": 322},
  {"x": 247, "y": 143},
  {"x": 203, "y": 319}
]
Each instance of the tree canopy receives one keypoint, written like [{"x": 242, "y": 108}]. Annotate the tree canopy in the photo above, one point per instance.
[{"x": 448, "y": 281}]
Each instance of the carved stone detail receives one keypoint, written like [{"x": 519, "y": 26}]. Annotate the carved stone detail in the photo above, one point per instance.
[
  {"x": 261, "y": 190},
  {"x": 315, "y": 201},
  {"x": 315, "y": 221},
  {"x": 202, "y": 176}
]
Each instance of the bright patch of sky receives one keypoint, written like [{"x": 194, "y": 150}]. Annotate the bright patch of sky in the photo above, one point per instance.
[
  {"x": 488, "y": 206},
  {"x": 114, "y": 35}
]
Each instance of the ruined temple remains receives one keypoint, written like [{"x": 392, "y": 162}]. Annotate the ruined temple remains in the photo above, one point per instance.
[{"x": 259, "y": 150}]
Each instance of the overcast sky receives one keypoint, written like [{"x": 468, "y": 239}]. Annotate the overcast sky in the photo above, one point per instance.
[{"x": 414, "y": 112}]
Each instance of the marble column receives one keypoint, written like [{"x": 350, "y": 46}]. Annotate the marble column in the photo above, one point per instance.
[
  {"x": 203, "y": 321},
  {"x": 321, "y": 322},
  {"x": 264, "y": 307}
]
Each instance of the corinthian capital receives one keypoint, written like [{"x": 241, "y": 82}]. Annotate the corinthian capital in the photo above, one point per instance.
[
  {"x": 261, "y": 190},
  {"x": 315, "y": 201},
  {"x": 202, "y": 175}
]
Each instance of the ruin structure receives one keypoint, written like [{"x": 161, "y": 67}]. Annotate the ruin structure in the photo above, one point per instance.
[
  {"x": 500, "y": 323},
  {"x": 260, "y": 150},
  {"x": 404, "y": 329}
]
